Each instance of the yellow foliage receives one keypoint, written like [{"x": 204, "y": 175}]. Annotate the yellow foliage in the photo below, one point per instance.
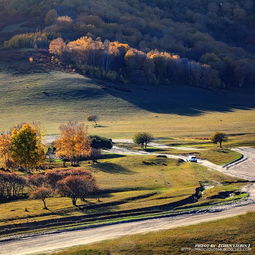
[
  {"x": 5, "y": 145},
  {"x": 73, "y": 142},
  {"x": 27, "y": 150}
]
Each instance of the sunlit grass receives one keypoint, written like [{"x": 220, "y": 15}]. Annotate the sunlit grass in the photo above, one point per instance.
[{"x": 127, "y": 183}]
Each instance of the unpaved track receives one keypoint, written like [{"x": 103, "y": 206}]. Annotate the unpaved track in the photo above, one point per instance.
[
  {"x": 49, "y": 242},
  {"x": 246, "y": 169}
]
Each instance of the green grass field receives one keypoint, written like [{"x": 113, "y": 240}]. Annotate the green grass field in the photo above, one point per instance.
[
  {"x": 219, "y": 156},
  {"x": 175, "y": 115},
  {"x": 128, "y": 183},
  {"x": 56, "y": 97},
  {"x": 227, "y": 231}
]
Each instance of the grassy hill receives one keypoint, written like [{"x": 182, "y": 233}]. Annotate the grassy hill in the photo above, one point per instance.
[
  {"x": 54, "y": 98},
  {"x": 131, "y": 186},
  {"x": 217, "y": 33}
]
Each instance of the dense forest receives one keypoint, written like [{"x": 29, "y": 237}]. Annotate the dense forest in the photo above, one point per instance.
[{"x": 212, "y": 40}]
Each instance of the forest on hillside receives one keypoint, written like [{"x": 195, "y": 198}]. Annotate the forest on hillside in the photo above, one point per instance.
[{"x": 213, "y": 35}]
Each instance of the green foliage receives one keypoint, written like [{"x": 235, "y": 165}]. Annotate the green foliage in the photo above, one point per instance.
[
  {"x": 143, "y": 139},
  {"x": 99, "y": 142}
]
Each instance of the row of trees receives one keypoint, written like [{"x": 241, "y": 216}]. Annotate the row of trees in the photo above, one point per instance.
[
  {"x": 22, "y": 148},
  {"x": 30, "y": 40},
  {"x": 11, "y": 185},
  {"x": 120, "y": 62},
  {"x": 76, "y": 184}
]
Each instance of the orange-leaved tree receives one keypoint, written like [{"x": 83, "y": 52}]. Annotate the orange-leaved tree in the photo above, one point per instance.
[
  {"x": 41, "y": 193},
  {"x": 5, "y": 147},
  {"x": 77, "y": 186},
  {"x": 73, "y": 143}
]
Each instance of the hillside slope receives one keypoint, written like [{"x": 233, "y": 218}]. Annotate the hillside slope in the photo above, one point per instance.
[
  {"x": 218, "y": 33},
  {"x": 56, "y": 97}
]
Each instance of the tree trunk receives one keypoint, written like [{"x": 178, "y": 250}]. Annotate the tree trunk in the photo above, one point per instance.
[
  {"x": 74, "y": 201},
  {"x": 220, "y": 144},
  {"x": 44, "y": 204}
]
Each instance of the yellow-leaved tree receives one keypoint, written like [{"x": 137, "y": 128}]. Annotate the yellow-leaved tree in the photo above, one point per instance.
[
  {"x": 73, "y": 143},
  {"x": 5, "y": 146},
  {"x": 27, "y": 150}
]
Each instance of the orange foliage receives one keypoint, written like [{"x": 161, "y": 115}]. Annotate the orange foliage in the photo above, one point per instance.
[
  {"x": 57, "y": 46},
  {"x": 73, "y": 142},
  {"x": 5, "y": 146}
]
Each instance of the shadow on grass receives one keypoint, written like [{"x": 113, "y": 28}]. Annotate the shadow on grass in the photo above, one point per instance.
[
  {"x": 153, "y": 150},
  {"x": 111, "y": 168},
  {"x": 109, "y": 206},
  {"x": 111, "y": 156}
]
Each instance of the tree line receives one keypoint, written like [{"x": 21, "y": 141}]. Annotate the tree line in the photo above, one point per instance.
[
  {"x": 120, "y": 62},
  {"x": 75, "y": 184},
  {"x": 216, "y": 33}
]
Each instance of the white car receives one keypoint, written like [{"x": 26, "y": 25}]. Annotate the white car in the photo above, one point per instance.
[{"x": 192, "y": 159}]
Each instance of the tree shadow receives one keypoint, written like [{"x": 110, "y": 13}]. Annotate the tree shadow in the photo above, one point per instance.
[
  {"x": 181, "y": 100},
  {"x": 111, "y": 168},
  {"x": 111, "y": 156},
  {"x": 153, "y": 150}
]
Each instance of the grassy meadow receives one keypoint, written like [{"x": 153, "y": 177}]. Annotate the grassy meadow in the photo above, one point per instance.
[
  {"x": 227, "y": 231},
  {"x": 177, "y": 116},
  {"x": 54, "y": 98},
  {"x": 128, "y": 183}
]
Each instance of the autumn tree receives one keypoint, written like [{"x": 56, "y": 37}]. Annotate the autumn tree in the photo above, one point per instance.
[
  {"x": 77, "y": 187},
  {"x": 143, "y": 139},
  {"x": 36, "y": 180},
  {"x": 41, "y": 193},
  {"x": 11, "y": 184},
  {"x": 52, "y": 177},
  {"x": 5, "y": 148},
  {"x": 57, "y": 46},
  {"x": 219, "y": 138},
  {"x": 93, "y": 118},
  {"x": 73, "y": 142},
  {"x": 27, "y": 150}
]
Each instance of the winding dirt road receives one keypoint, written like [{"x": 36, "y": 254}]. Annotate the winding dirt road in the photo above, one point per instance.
[{"x": 45, "y": 243}]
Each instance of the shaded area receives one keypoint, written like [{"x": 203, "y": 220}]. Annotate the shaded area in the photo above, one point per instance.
[
  {"x": 181, "y": 100},
  {"x": 104, "y": 214},
  {"x": 111, "y": 168},
  {"x": 55, "y": 90}
]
